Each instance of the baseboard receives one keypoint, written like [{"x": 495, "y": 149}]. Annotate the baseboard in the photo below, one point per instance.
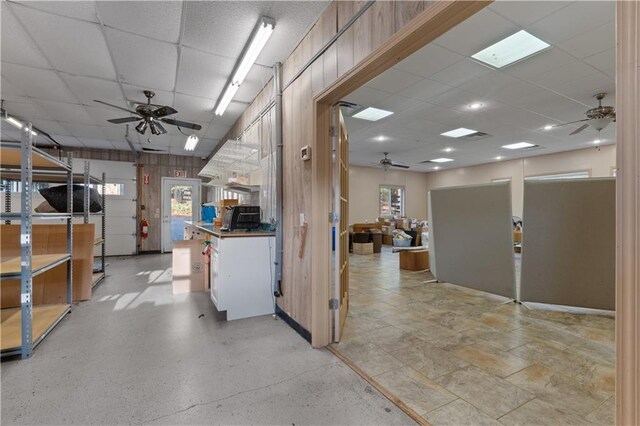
[{"x": 293, "y": 324}]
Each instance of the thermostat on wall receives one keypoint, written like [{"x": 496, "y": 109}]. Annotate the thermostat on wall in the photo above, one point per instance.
[{"x": 305, "y": 153}]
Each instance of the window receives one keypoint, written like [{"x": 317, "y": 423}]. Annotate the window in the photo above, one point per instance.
[
  {"x": 114, "y": 189},
  {"x": 391, "y": 200},
  {"x": 571, "y": 175}
]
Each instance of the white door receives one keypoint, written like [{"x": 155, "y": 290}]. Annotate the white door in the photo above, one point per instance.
[{"x": 180, "y": 202}]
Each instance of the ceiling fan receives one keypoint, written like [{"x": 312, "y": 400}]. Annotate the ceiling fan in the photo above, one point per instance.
[
  {"x": 150, "y": 116},
  {"x": 386, "y": 163},
  {"x": 598, "y": 117}
]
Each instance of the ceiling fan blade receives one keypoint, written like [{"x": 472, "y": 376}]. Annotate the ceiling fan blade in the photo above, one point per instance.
[
  {"x": 153, "y": 149},
  {"x": 163, "y": 111},
  {"x": 402, "y": 166},
  {"x": 571, "y": 122},
  {"x": 124, "y": 120},
  {"x": 579, "y": 129},
  {"x": 117, "y": 107},
  {"x": 181, "y": 124}
]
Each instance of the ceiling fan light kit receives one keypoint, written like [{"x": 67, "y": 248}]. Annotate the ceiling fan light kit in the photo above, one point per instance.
[
  {"x": 259, "y": 37},
  {"x": 598, "y": 118},
  {"x": 386, "y": 163}
]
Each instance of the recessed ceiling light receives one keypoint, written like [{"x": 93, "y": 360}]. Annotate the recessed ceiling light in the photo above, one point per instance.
[
  {"x": 475, "y": 105},
  {"x": 499, "y": 157},
  {"x": 448, "y": 149},
  {"x": 436, "y": 168},
  {"x": 458, "y": 133},
  {"x": 441, "y": 160},
  {"x": 596, "y": 141},
  {"x": 381, "y": 138},
  {"x": 372, "y": 114},
  {"x": 519, "y": 145},
  {"x": 511, "y": 49},
  {"x": 548, "y": 127}
]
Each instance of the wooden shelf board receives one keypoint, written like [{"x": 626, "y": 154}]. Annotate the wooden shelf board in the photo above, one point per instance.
[
  {"x": 11, "y": 157},
  {"x": 44, "y": 318},
  {"x": 10, "y": 266}
]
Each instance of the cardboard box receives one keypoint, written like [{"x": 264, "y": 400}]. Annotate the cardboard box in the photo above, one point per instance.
[
  {"x": 387, "y": 240},
  {"x": 188, "y": 266},
  {"x": 364, "y": 227},
  {"x": 517, "y": 237},
  {"x": 404, "y": 223},
  {"x": 363, "y": 248},
  {"x": 414, "y": 260}
]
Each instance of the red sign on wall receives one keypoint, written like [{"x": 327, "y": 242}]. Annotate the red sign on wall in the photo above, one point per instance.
[
  {"x": 180, "y": 173},
  {"x": 145, "y": 179}
]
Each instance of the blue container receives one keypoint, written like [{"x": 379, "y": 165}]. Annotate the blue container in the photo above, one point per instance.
[
  {"x": 208, "y": 214},
  {"x": 401, "y": 243}
]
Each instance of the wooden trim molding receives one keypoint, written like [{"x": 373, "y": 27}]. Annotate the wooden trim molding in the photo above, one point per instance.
[
  {"x": 628, "y": 213},
  {"x": 435, "y": 20}
]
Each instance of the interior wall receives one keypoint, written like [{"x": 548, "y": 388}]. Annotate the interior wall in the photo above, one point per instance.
[
  {"x": 364, "y": 185},
  {"x": 598, "y": 162},
  {"x": 370, "y": 31}
]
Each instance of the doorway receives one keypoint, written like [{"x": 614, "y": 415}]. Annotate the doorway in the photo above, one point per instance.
[{"x": 180, "y": 201}]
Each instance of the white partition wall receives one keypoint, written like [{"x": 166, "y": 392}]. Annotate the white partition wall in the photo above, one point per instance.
[
  {"x": 568, "y": 246},
  {"x": 472, "y": 237}
]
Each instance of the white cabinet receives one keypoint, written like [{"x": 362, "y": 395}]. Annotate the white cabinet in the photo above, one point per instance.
[{"x": 242, "y": 271}]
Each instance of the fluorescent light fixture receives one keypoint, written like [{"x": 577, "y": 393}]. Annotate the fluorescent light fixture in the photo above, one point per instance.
[
  {"x": 436, "y": 168},
  {"x": 519, "y": 145},
  {"x": 259, "y": 37},
  {"x": 441, "y": 160},
  {"x": 448, "y": 149},
  {"x": 226, "y": 98},
  {"x": 17, "y": 123},
  {"x": 191, "y": 143},
  {"x": 596, "y": 141},
  {"x": 511, "y": 49},
  {"x": 458, "y": 133},
  {"x": 475, "y": 105},
  {"x": 548, "y": 127},
  {"x": 372, "y": 114},
  {"x": 499, "y": 157}
]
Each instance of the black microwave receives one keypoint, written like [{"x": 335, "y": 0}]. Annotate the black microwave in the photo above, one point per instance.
[{"x": 241, "y": 217}]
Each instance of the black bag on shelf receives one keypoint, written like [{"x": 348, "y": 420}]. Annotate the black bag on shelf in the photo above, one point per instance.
[{"x": 57, "y": 197}]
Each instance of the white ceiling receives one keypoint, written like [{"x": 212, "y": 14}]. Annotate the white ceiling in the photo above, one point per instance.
[
  {"x": 430, "y": 91},
  {"x": 57, "y": 56}
]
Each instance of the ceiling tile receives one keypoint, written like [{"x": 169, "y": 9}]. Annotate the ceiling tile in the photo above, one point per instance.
[
  {"x": 583, "y": 89},
  {"x": 73, "y": 46},
  {"x": 120, "y": 145},
  {"x": 396, "y": 103},
  {"x": 17, "y": 46},
  {"x": 135, "y": 95},
  {"x": 95, "y": 143},
  {"x": 221, "y": 28},
  {"x": 82, "y": 131},
  {"x": 525, "y": 13},
  {"x": 478, "y": 32},
  {"x": 147, "y": 18},
  {"x": 560, "y": 76},
  {"x": 582, "y": 16},
  {"x": 429, "y": 60},
  {"x": 539, "y": 63},
  {"x": 84, "y": 10},
  {"x": 254, "y": 82},
  {"x": 26, "y": 111},
  {"x": 596, "y": 40},
  {"x": 202, "y": 74},
  {"x": 604, "y": 61},
  {"x": 68, "y": 140},
  {"x": 393, "y": 81},
  {"x": 193, "y": 109},
  {"x": 217, "y": 131},
  {"x": 10, "y": 91},
  {"x": 366, "y": 96},
  {"x": 460, "y": 72},
  {"x": 100, "y": 115},
  {"x": 425, "y": 90},
  {"x": 68, "y": 113},
  {"x": 38, "y": 83},
  {"x": 86, "y": 89},
  {"x": 142, "y": 61},
  {"x": 51, "y": 127},
  {"x": 231, "y": 115},
  {"x": 115, "y": 131}
]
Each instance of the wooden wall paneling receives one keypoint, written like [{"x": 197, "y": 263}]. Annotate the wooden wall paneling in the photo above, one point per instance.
[
  {"x": 346, "y": 10},
  {"x": 363, "y": 32},
  {"x": 628, "y": 213},
  {"x": 317, "y": 68},
  {"x": 382, "y": 23},
  {"x": 406, "y": 11},
  {"x": 329, "y": 25}
]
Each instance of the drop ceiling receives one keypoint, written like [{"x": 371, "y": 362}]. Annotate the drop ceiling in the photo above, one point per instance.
[
  {"x": 57, "y": 56},
  {"x": 430, "y": 92}
]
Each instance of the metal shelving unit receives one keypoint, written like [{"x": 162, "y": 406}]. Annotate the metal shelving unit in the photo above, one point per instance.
[
  {"x": 25, "y": 327},
  {"x": 88, "y": 180}
]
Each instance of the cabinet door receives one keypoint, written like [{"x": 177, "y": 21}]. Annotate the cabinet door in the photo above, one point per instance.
[{"x": 215, "y": 278}]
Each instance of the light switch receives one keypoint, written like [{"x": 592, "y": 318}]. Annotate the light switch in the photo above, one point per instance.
[{"x": 301, "y": 219}]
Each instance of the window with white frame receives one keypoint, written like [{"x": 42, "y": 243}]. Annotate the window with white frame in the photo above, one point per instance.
[{"x": 391, "y": 200}]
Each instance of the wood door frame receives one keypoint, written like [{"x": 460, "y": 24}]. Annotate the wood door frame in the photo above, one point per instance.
[
  {"x": 436, "y": 20},
  {"x": 197, "y": 183}
]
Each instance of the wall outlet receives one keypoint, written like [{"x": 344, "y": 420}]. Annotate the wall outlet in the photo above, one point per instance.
[{"x": 305, "y": 153}]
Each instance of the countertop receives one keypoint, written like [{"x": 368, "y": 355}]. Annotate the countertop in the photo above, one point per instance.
[{"x": 210, "y": 228}]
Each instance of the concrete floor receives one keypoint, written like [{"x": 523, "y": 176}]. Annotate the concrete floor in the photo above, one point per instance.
[{"x": 136, "y": 354}]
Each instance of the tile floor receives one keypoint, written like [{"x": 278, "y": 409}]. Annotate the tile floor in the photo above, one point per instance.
[{"x": 457, "y": 356}]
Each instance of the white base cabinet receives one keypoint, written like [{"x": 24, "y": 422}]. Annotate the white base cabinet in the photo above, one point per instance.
[{"x": 242, "y": 272}]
